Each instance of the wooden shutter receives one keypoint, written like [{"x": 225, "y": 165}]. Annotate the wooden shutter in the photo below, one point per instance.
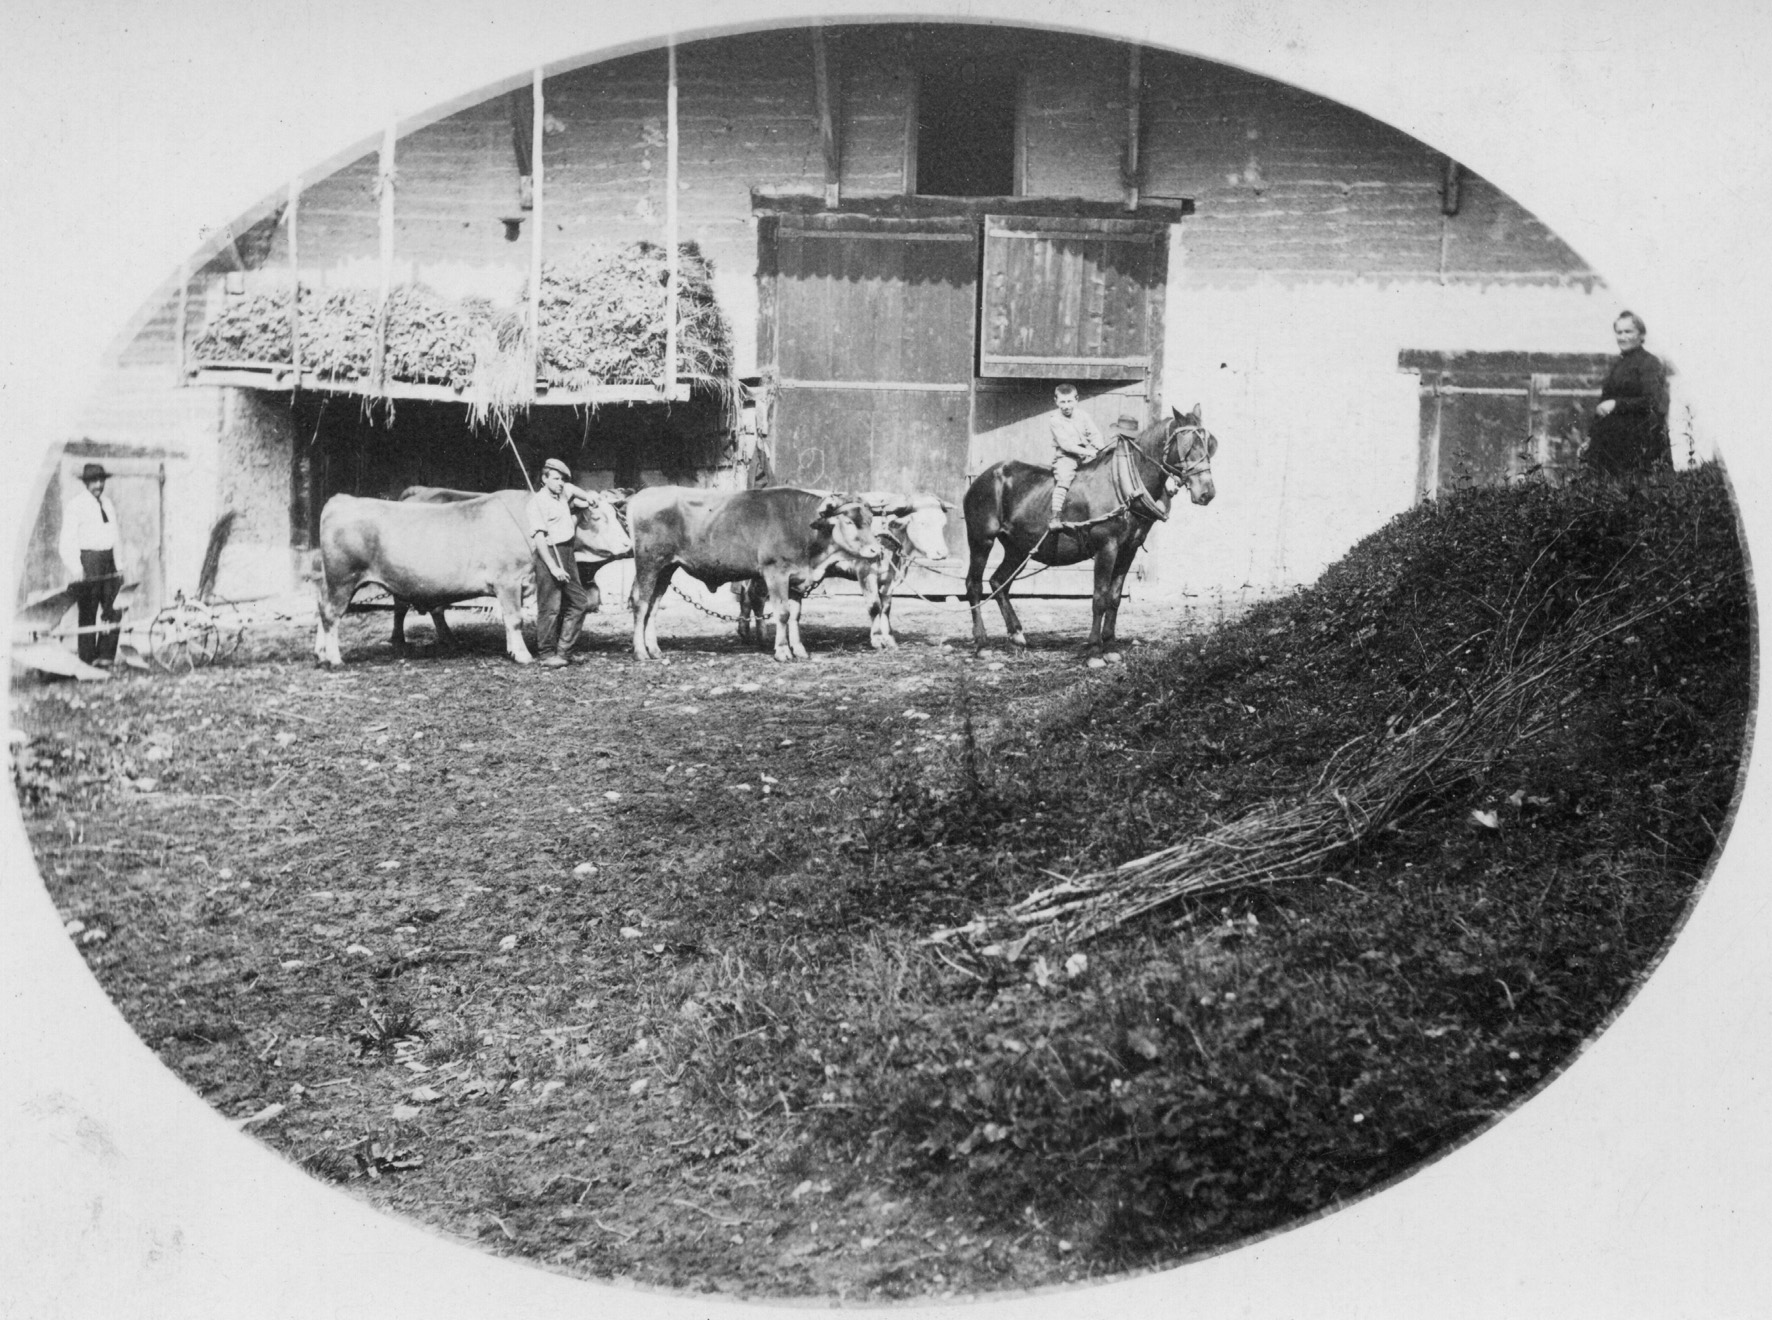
[{"x": 1073, "y": 298}]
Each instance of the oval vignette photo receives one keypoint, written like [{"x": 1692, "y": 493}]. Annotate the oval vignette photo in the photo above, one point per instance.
[{"x": 879, "y": 662}]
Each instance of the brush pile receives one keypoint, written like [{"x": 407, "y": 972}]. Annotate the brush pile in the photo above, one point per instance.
[
  {"x": 1492, "y": 672},
  {"x": 601, "y": 323}
]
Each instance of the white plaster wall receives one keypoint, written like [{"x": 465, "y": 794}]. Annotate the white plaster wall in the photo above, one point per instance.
[{"x": 1318, "y": 429}]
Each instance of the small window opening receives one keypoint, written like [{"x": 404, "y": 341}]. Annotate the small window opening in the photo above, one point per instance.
[{"x": 966, "y": 131}]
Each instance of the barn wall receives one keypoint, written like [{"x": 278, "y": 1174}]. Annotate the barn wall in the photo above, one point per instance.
[
  {"x": 1317, "y": 252},
  {"x": 258, "y": 437}
]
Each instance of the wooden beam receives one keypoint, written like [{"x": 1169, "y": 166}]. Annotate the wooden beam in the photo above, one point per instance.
[
  {"x": 289, "y": 218},
  {"x": 184, "y": 303},
  {"x": 827, "y": 82},
  {"x": 537, "y": 173},
  {"x": 668, "y": 369},
  {"x": 280, "y": 379},
  {"x": 913, "y": 92},
  {"x": 385, "y": 184},
  {"x": 1130, "y": 175}
]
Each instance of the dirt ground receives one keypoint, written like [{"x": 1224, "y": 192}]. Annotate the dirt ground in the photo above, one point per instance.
[{"x": 417, "y": 923}]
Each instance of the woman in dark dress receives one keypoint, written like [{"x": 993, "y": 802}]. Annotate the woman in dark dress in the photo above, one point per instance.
[{"x": 1629, "y": 431}]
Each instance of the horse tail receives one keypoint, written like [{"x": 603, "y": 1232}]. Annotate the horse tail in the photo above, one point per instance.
[{"x": 984, "y": 505}]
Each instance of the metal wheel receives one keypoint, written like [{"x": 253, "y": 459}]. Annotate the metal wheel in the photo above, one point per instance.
[
  {"x": 183, "y": 636},
  {"x": 230, "y": 628}
]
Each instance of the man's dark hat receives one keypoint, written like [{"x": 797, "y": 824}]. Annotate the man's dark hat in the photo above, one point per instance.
[{"x": 94, "y": 472}]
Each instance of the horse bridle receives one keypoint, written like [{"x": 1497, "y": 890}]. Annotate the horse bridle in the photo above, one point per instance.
[{"x": 1187, "y": 470}]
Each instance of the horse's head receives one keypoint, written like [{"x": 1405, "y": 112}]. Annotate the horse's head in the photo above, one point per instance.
[{"x": 1188, "y": 448}]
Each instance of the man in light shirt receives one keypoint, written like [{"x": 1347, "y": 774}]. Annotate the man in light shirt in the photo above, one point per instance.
[
  {"x": 560, "y": 598},
  {"x": 90, "y": 547}
]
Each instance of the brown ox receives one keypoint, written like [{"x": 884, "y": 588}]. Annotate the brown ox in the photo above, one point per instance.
[
  {"x": 786, "y": 538},
  {"x": 914, "y": 528},
  {"x": 432, "y": 555}
]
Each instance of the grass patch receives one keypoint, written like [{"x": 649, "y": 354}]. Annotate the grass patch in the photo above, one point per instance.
[
  {"x": 727, "y": 1055},
  {"x": 1410, "y": 964}
]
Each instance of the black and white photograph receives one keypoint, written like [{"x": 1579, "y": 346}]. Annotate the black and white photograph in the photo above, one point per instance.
[{"x": 764, "y": 656}]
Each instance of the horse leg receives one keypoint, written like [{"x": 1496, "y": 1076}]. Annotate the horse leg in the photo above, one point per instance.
[
  {"x": 977, "y": 552},
  {"x": 1101, "y": 599},
  {"x": 1000, "y": 581},
  {"x": 1116, "y": 586}
]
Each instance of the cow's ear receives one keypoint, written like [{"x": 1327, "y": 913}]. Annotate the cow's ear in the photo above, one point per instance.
[{"x": 829, "y": 506}]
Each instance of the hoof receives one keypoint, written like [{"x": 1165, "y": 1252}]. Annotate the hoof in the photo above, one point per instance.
[{"x": 1018, "y": 639}]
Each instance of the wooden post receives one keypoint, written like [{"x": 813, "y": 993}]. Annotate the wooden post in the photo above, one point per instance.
[
  {"x": 385, "y": 182},
  {"x": 828, "y": 86},
  {"x": 535, "y": 227},
  {"x": 668, "y": 380},
  {"x": 289, "y": 218},
  {"x": 1134, "y": 95},
  {"x": 184, "y": 302}
]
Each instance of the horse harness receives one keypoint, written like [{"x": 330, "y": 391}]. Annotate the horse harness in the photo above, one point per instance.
[{"x": 1134, "y": 498}]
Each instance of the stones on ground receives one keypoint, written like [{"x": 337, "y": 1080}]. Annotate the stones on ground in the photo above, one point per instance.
[{"x": 1096, "y": 662}]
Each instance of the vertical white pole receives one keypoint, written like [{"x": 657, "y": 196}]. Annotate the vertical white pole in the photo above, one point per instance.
[
  {"x": 386, "y": 181},
  {"x": 668, "y": 380},
  {"x": 290, "y": 218},
  {"x": 535, "y": 223}
]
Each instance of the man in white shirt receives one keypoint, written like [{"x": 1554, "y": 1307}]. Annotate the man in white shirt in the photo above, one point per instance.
[
  {"x": 91, "y": 545},
  {"x": 560, "y": 598}
]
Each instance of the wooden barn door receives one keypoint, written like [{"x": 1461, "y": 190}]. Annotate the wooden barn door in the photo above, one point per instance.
[
  {"x": 873, "y": 345},
  {"x": 1489, "y": 419}
]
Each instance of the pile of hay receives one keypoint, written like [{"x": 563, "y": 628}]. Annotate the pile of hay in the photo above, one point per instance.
[
  {"x": 600, "y": 324},
  {"x": 429, "y": 339}
]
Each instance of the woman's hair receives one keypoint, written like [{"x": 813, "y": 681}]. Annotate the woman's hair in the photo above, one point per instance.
[{"x": 1633, "y": 318}]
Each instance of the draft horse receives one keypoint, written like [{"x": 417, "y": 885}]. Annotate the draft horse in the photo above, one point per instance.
[{"x": 1116, "y": 499}]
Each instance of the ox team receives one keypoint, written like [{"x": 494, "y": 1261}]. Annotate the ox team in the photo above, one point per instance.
[{"x": 434, "y": 548}]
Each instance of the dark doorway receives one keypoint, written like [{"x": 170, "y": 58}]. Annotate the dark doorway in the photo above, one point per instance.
[{"x": 966, "y": 117}]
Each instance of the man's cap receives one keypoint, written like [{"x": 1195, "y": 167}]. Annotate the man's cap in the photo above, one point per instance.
[
  {"x": 94, "y": 472},
  {"x": 1128, "y": 424},
  {"x": 555, "y": 465}
]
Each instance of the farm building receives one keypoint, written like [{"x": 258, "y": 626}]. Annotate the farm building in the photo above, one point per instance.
[{"x": 887, "y": 244}]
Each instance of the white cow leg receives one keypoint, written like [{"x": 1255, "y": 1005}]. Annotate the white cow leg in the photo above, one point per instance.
[
  {"x": 511, "y": 609},
  {"x": 795, "y": 645}
]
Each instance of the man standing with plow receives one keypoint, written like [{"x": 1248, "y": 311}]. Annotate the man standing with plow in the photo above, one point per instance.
[
  {"x": 560, "y": 598},
  {"x": 90, "y": 547}
]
